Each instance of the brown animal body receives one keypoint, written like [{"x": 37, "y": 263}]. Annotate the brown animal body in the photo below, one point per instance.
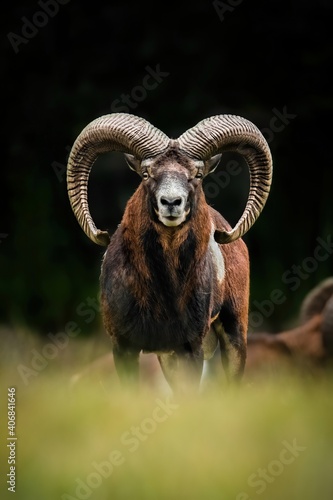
[
  {"x": 175, "y": 275},
  {"x": 306, "y": 348}
]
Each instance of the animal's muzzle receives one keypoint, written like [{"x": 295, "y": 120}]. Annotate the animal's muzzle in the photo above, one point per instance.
[{"x": 172, "y": 200}]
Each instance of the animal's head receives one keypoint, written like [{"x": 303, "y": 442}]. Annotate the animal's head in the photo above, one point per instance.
[
  {"x": 172, "y": 180},
  {"x": 171, "y": 170},
  {"x": 319, "y": 301}
]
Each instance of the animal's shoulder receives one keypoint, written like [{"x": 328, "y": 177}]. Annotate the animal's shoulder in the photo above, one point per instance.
[{"x": 218, "y": 220}]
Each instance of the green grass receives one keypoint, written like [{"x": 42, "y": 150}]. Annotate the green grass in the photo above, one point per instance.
[{"x": 267, "y": 440}]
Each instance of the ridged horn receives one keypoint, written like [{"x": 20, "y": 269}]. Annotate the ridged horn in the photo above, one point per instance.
[
  {"x": 113, "y": 132},
  {"x": 222, "y": 133},
  {"x": 315, "y": 301}
]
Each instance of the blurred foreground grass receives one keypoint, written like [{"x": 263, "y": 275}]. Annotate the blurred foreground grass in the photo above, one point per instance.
[{"x": 267, "y": 440}]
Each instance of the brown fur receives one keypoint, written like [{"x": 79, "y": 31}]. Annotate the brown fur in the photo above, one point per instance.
[
  {"x": 160, "y": 288},
  {"x": 300, "y": 349}
]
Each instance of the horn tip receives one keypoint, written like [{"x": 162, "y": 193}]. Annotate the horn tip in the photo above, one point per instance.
[
  {"x": 223, "y": 237},
  {"x": 102, "y": 238}
]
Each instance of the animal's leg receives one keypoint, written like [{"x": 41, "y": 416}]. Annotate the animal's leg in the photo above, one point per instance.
[
  {"x": 127, "y": 365},
  {"x": 233, "y": 348},
  {"x": 183, "y": 370}
]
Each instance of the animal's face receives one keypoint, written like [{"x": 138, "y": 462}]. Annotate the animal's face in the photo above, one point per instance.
[
  {"x": 172, "y": 188},
  {"x": 172, "y": 182}
]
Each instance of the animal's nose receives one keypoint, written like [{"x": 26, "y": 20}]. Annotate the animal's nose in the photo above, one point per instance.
[{"x": 171, "y": 202}]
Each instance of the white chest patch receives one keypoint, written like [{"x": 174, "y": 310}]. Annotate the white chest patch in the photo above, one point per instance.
[{"x": 217, "y": 256}]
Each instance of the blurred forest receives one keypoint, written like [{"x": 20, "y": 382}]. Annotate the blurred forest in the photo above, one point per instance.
[{"x": 65, "y": 63}]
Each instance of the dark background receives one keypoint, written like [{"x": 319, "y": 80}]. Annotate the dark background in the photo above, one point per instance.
[{"x": 261, "y": 60}]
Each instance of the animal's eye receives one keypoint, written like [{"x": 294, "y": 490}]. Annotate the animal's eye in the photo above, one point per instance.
[
  {"x": 199, "y": 175},
  {"x": 145, "y": 176}
]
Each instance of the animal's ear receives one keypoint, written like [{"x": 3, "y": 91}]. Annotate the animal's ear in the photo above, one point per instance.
[
  {"x": 133, "y": 162},
  {"x": 212, "y": 163}
]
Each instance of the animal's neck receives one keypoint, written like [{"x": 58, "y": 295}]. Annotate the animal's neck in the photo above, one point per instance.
[{"x": 178, "y": 248}]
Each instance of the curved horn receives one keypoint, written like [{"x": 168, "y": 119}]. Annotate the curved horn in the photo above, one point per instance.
[
  {"x": 235, "y": 134},
  {"x": 114, "y": 132},
  {"x": 315, "y": 301}
]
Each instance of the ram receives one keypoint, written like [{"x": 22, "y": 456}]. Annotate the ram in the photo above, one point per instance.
[
  {"x": 307, "y": 348},
  {"x": 175, "y": 275}
]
